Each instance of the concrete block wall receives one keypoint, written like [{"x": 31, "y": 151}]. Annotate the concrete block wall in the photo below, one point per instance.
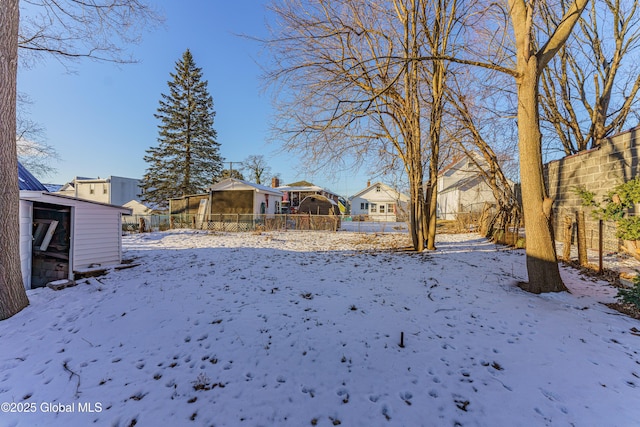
[{"x": 599, "y": 170}]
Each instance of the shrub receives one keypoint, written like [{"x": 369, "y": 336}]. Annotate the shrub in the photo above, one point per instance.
[
  {"x": 629, "y": 228},
  {"x": 631, "y": 295},
  {"x": 616, "y": 205},
  {"x": 587, "y": 197}
]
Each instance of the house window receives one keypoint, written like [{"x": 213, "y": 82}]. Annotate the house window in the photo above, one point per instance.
[
  {"x": 377, "y": 188},
  {"x": 374, "y": 208},
  {"x": 381, "y": 208},
  {"x": 104, "y": 188},
  {"x": 391, "y": 207},
  {"x": 92, "y": 188}
]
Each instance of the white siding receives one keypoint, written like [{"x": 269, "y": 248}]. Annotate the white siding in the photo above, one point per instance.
[
  {"x": 356, "y": 206},
  {"x": 93, "y": 191},
  {"x": 259, "y": 198},
  {"x": 97, "y": 236},
  {"x": 448, "y": 204},
  {"x": 474, "y": 198},
  {"x": 26, "y": 221}
]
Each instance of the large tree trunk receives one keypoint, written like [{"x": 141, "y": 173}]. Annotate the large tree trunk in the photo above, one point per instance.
[
  {"x": 435, "y": 125},
  {"x": 542, "y": 264},
  {"x": 418, "y": 214},
  {"x": 13, "y": 297}
]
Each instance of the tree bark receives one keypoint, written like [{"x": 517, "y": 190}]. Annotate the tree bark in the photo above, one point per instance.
[
  {"x": 435, "y": 123},
  {"x": 13, "y": 297},
  {"x": 542, "y": 263},
  {"x": 568, "y": 231},
  {"x": 417, "y": 216}
]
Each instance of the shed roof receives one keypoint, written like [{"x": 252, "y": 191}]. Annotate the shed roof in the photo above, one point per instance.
[
  {"x": 303, "y": 186},
  {"x": 233, "y": 184},
  {"x": 63, "y": 200}
]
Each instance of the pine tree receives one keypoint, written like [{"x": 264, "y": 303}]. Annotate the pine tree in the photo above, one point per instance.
[{"x": 187, "y": 159}]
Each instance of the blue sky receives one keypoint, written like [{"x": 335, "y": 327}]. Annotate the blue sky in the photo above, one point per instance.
[{"x": 100, "y": 117}]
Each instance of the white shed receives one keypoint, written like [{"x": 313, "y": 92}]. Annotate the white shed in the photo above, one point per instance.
[{"x": 61, "y": 236}]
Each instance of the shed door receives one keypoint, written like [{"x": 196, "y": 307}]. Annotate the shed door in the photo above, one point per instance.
[{"x": 51, "y": 243}]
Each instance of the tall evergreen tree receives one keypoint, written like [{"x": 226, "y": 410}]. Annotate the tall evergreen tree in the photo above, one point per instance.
[{"x": 187, "y": 159}]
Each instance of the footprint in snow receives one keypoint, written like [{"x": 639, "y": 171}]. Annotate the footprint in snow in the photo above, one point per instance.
[{"x": 406, "y": 397}]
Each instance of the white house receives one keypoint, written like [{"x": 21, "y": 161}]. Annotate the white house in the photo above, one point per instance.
[
  {"x": 461, "y": 188},
  {"x": 138, "y": 208},
  {"x": 378, "y": 202},
  {"x": 114, "y": 190},
  {"x": 61, "y": 236}
]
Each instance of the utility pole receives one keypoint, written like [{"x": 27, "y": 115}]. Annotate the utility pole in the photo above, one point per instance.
[{"x": 231, "y": 168}]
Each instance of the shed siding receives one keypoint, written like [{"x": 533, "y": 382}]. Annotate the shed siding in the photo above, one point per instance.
[{"x": 97, "y": 237}]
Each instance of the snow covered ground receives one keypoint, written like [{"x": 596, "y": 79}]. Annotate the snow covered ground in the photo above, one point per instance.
[{"x": 304, "y": 329}]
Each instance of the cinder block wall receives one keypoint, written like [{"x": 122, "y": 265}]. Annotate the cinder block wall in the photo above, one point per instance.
[{"x": 598, "y": 170}]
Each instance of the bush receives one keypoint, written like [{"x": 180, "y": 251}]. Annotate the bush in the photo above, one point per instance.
[
  {"x": 616, "y": 206},
  {"x": 631, "y": 295},
  {"x": 629, "y": 228}
]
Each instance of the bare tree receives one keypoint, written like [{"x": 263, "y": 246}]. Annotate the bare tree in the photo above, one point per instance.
[
  {"x": 340, "y": 69},
  {"x": 349, "y": 88},
  {"x": 354, "y": 86},
  {"x": 476, "y": 126},
  {"x": 74, "y": 29},
  {"x": 531, "y": 59},
  {"x": 257, "y": 168},
  {"x": 440, "y": 20},
  {"x": 591, "y": 86},
  {"x": 229, "y": 173},
  {"x": 67, "y": 29},
  {"x": 34, "y": 154}
]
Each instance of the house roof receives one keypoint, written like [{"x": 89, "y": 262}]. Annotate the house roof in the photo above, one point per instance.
[
  {"x": 52, "y": 188},
  {"x": 233, "y": 184},
  {"x": 387, "y": 188},
  {"x": 138, "y": 205},
  {"x": 303, "y": 186},
  {"x": 26, "y": 181}
]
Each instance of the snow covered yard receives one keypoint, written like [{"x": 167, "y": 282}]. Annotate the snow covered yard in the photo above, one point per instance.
[{"x": 303, "y": 329}]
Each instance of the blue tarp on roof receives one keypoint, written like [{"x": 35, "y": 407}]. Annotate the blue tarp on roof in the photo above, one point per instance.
[{"x": 26, "y": 181}]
